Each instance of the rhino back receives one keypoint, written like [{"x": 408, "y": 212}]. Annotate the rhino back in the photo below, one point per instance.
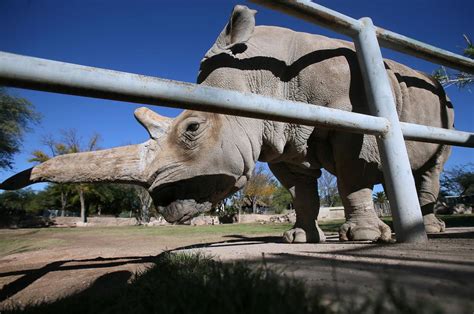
[
  {"x": 325, "y": 71},
  {"x": 309, "y": 68}
]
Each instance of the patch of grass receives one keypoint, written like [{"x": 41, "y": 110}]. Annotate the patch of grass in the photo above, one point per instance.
[
  {"x": 194, "y": 283},
  {"x": 331, "y": 225},
  {"x": 178, "y": 230},
  {"x": 247, "y": 229},
  {"x": 24, "y": 243},
  {"x": 466, "y": 220}
]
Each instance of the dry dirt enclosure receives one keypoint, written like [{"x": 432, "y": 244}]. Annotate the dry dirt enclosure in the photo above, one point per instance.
[{"x": 46, "y": 264}]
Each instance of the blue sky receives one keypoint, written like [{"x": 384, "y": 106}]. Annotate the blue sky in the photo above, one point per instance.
[{"x": 168, "y": 39}]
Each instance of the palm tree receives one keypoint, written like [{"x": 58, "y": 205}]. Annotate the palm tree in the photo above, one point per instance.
[{"x": 379, "y": 197}]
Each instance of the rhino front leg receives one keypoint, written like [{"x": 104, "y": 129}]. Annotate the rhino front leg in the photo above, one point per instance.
[{"x": 304, "y": 190}]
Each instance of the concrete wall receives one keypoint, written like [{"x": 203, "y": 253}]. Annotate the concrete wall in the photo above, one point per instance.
[
  {"x": 94, "y": 222},
  {"x": 330, "y": 213}
]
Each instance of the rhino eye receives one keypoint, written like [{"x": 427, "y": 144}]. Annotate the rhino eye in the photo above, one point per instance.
[{"x": 193, "y": 127}]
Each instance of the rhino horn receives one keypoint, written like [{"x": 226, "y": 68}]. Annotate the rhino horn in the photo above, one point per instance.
[
  {"x": 124, "y": 164},
  {"x": 153, "y": 122}
]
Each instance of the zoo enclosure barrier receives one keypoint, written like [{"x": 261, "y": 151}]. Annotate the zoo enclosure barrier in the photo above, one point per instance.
[{"x": 47, "y": 75}]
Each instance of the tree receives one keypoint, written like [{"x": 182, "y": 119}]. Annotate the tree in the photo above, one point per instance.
[
  {"x": 17, "y": 201},
  {"x": 112, "y": 198},
  {"x": 70, "y": 142},
  {"x": 281, "y": 199},
  {"x": 458, "y": 181},
  {"x": 460, "y": 79},
  {"x": 16, "y": 116},
  {"x": 55, "y": 149},
  {"x": 259, "y": 188},
  {"x": 379, "y": 197},
  {"x": 145, "y": 203},
  {"x": 327, "y": 185}
]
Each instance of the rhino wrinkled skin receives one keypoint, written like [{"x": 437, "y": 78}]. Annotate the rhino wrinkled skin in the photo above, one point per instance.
[{"x": 193, "y": 161}]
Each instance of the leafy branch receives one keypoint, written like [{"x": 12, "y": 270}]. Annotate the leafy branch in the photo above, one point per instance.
[{"x": 459, "y": 79}]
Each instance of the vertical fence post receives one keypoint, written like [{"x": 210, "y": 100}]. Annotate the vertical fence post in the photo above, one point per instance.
[{"x": 407, "y": 218}]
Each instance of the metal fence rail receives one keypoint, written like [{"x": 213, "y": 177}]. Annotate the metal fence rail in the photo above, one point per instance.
[
  {"x": 66, "y": 78},
  {"x": 349, "y": 26}
]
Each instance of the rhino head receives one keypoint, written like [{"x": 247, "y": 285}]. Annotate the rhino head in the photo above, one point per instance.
[
  {"x": 188, "y": 165},
  {"x": 191, "y": 162}
]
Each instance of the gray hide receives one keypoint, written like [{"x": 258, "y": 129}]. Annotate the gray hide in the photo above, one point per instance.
[{"x": 195, "y": 160}]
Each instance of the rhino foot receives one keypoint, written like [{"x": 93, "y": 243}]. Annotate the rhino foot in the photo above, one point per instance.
[
  {"x": 433, "y": 224},
  {"x": 306, "y": 235},
  {"x": 365, "y": 229}
]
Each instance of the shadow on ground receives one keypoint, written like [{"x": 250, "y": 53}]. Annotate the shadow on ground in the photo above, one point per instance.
[{"x": 443, "y": 269}]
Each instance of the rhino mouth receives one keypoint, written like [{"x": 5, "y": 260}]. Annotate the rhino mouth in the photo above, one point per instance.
[{"x": 182, "y": 200}]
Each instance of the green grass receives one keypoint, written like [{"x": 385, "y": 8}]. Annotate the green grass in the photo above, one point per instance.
[
  {"x": 16, "y": 241},
  {"x": 331, "y": 225},
  {"x": 178, "y": 230},
  {"x": 450, "y": 220},
  {"x": 184, "y": 283},
  {"x": 24, "y": 242},
  {"x": 458, "y": 220}
]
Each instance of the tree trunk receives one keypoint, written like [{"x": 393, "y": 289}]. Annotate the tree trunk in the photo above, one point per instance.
[
  {"x": 83, "y": 205},
  {"x": 146, "y": 204},
  {"x": 63, "y": 202},
  {"x": 254, "y": 205}
]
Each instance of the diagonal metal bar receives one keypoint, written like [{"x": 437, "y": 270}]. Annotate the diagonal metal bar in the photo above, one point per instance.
[{"x": 406, "y": 211}]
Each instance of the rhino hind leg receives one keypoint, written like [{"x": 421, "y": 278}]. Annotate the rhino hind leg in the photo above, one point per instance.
[
  {"x": 355, "y": 183},
  {"x": 362, "y": 223},
  {"x": 303, "y": 188},
  {"x": 427, "y": 185}
]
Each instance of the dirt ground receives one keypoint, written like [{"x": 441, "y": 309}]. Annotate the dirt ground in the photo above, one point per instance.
[{"x": 65, "y": 263}]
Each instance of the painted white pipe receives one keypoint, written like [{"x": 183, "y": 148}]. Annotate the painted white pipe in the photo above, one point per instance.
[
  {"x": 399, "y": 181},
  {"x": 343, "y": 24},
  {"x": 67, "y": 78}
]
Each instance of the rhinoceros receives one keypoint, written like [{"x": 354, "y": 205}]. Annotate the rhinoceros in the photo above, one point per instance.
[{"x": 195, "y": 160}]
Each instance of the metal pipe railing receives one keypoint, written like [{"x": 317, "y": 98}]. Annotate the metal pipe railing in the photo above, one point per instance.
[
  {"x": 398, "y": 178},
  {"x": 423, "y": 133},
  {"x": 349, "y": 26},
  {"x": 66, "y": 78}
]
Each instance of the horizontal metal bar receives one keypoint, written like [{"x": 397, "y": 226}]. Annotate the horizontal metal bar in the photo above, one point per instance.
[
  {"x": 316, "y": 14},
  {"x": 424, "y": 51},
  {"x": 67, "y": 78},
  {"x": 423, "y": 133},
  {"x": 343, "y": 24}
]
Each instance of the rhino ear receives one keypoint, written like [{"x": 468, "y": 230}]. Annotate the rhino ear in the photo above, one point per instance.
[
  {"x": 153, "y": 122},
  {"x": 239, "y": 28}
]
